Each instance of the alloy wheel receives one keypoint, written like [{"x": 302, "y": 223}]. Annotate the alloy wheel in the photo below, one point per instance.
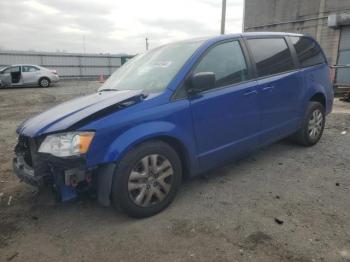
[
  {"x": 315, "y": 124},
  {"x": 44, "y": 83},
  {"x": 150, "y": 180}
]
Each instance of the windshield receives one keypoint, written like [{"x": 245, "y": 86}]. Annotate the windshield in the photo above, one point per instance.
[{"x": 152, "y": 71}]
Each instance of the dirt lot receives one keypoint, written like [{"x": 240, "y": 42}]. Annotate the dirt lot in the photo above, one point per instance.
[{"x": 227, "y": 215}]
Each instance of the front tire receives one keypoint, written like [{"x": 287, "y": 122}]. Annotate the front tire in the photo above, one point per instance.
[
  {"x": 313, "y": 125},
  {"x": 44, "y": 82},
  {"x": 147, "y": 179}
]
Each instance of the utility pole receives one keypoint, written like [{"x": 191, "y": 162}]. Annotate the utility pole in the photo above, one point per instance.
[
  {"x": 147, "y": 44},
  {"x": 223, "y": 17},
  {"x": 243, "y": 27}
]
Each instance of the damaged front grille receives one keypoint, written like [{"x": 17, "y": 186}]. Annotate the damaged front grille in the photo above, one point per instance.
[{"x": 23, "y": 148}]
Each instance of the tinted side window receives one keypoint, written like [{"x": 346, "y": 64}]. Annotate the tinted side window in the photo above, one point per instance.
[
  {"x": 29, "y": 69},
  {"x": 271, "y": 55},
  {"x": 227, "y": 62},
  {"x": 308, "y": 52},
  {"x": 12, "y": 69}
]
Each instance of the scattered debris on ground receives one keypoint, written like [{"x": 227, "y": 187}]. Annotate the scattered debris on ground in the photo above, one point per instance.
[{"x": 279, "y": 221}]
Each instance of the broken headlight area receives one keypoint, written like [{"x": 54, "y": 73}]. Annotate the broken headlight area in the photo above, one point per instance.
[
  {"x": 67, "y": 144},
  {"x": 60, "y": 162}
]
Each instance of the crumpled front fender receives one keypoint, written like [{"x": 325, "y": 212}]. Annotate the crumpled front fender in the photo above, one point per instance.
[{"x": 132, "y": 137}]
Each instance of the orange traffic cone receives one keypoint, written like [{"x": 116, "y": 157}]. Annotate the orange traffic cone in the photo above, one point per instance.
[{"x": 102, "y": 78}]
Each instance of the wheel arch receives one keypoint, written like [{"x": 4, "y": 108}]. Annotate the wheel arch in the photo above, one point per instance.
[
  {"x": 319, "y": 97},
  {"x": 180, "y": 139},
  {"x": 44, "y": 77},
  {"x": 179, "y": 148},
  {"x": 173, "y": 142},
  {"x": 105, "y": 172}
]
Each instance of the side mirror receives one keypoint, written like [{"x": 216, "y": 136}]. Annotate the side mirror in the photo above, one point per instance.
[{"x": 201, "y": 82}]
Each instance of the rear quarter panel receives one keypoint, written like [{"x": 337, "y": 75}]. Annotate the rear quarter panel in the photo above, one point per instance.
[{"x": 316, "y": 80}]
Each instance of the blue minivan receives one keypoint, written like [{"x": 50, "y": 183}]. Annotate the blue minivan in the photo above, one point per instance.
[{"x": 175, "y": 112}]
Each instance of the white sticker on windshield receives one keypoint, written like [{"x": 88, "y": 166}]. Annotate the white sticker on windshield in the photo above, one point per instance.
[{"x": 162, "y": 64}]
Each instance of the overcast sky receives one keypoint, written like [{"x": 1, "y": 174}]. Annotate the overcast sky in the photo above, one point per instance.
[{"x": 110, "y": 26}]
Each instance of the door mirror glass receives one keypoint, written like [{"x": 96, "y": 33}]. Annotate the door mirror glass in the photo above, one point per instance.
[{"x": 201, "y": 82}]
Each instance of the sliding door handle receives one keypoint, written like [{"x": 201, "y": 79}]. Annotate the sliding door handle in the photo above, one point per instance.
[
  {"x": 266, "y": 88},
  {"x": 249, "y": 93}
]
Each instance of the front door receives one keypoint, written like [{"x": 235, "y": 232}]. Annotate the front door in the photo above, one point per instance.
[
  {"x": 5, "y": 77},
  {"x": 226, "y": 119}
]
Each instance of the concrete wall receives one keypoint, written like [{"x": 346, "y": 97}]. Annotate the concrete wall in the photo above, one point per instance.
[{"x": 298, "y": 16}]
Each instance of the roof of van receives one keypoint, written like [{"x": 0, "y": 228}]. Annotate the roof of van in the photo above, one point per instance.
[
  {"x": 251, "y": 34},
  {"x": 247, "y": 34},
  {"x": 269, "y": 33}
]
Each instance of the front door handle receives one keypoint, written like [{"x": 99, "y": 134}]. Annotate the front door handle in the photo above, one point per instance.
[
  {"x": 266, "y": 88},
  {"x": 249, "y": 93}
]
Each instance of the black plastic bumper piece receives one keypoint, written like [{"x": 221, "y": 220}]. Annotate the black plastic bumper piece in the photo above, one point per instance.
[
  {"x": 104, "y": 184},
  {"x": 26, "y": 173}
]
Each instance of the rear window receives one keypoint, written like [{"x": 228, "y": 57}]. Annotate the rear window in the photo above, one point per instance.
[
  {"x": 272, "y": 56},
  {"x": 308, "y": 52}
]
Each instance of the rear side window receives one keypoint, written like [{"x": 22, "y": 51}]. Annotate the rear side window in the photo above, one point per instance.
[
  {"x": 308, "y": 52},
  {"x": 272, "y": 56},
  {"x": 227, "y": 62},
  {"x": 29, "y": 69}
]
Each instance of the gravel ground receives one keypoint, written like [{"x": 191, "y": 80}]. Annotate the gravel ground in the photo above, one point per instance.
[{"x": 283, "y": 203}]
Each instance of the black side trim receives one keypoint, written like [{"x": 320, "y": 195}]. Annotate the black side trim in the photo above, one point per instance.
[{"x": 104, "y": 183}]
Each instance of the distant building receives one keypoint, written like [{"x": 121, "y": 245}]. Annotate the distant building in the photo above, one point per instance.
[
  {"x": 67, "y": 65},
  {"x": 326, "y": 20}
]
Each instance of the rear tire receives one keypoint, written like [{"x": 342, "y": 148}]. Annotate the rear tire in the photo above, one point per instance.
[
  {"x": 147, "y": 179},
  {"x": 44, "y": 82},
  {"x": 313, "y": 125}
]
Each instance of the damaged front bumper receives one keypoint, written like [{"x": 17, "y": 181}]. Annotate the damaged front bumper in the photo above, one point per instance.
[
  {"x": 25, "y": 173},
  {"x": 67, "y": 176}
]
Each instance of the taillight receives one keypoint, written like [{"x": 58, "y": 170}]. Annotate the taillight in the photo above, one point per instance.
[{"x": 54, "y": 72}]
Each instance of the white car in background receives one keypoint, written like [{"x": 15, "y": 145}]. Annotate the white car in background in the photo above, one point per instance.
[{"x": 27, "y": 75}]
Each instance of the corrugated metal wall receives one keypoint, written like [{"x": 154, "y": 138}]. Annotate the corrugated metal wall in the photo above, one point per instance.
[
  {"x": 343, "y": 74},
  {"x": 68, "y": 65}
]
